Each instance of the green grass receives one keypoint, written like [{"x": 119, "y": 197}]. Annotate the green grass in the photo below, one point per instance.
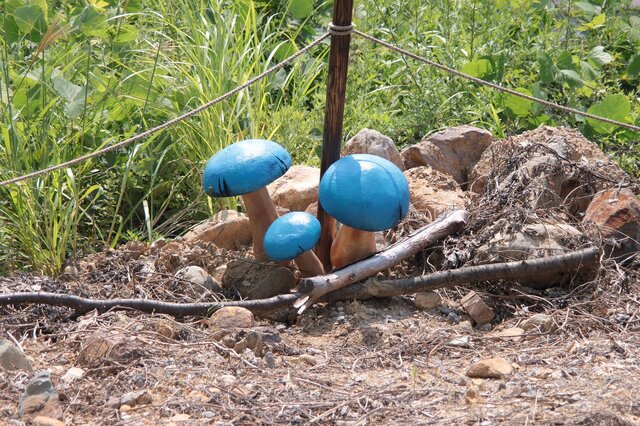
[{"x": 76, "y": 76}]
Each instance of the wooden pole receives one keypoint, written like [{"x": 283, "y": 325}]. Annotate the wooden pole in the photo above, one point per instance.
[{"x": 333, "y": 115}]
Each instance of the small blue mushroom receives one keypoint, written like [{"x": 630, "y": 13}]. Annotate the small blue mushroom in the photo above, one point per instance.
[
  {"x": 246, "y": 168},
  {"x": 291, "y": 237},
  {"x": 366, "y": 193}
]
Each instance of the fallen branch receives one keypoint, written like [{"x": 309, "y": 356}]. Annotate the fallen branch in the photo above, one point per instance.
[
  {"x": 514, "y": 271},
  {"x": 360, "y": 291},
  {"x": 83, "y": 305},
  {"x": 316, "y": 287}
]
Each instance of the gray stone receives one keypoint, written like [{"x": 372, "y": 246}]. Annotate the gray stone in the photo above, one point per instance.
[
  {"x": 454, "y": 151},
  {"x": 12, "y": 358},
  {"x": 227, "y": 229},
  {"x": 195, "y": 281},
  {"x": 258, "y": 281},
  {"x": 40, "y": 398},
  {"x": 368, "y": 141}
]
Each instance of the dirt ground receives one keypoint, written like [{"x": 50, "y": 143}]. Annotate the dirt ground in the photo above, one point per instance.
[
  {"x": 373, "y": 362},
  {"x": 379, "y": 361}
]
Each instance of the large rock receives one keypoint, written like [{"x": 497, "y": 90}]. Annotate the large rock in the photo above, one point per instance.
[
  {"x": 569, "y": 145},
  {"x": 40, "y": 398},
  {"x": 617, "y": 215},
  {"x": 12, "y": 358},
  {"x": 531, "y": 241},
  {"x": 368, "y": 141},
  {"x": 433, "y": 192},
  {"x": 453, "y": 151},
  {"x": 256, "y": 280},
  {"x": 296, "y": 189},
  {"x": 227, "y": 229}
]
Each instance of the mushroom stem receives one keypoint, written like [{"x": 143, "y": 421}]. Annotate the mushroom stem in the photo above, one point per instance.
[
  {"x": 261, "y": 212},
  {"x": 351, "y": 245},
  {"x": 309, "y": 264}
]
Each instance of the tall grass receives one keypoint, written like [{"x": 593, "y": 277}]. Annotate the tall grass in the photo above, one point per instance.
[{"x": 115, "y": 71}]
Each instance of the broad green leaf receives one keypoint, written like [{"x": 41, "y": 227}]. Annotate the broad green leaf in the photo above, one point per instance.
[
  {"x": 518, "y": 106},
  {"x": 547, "y": 72},
  {"x": 565, "y": 61},
  {"x": 91, "y": 22},
  {"x": 597, "y": 22},
  {"x": 75, "y": 106},
  {"x": 300, "y": 9},
  {"x": 571, "y": 77},
  {"x": 538, "y": 92},
  {"x": 589, "y": 8},
  {"x": 597, "y": 57},
  {"x": 633, "y": 69},
  {"x": 480, "y": 69},
  {"x": 615, "y": 107},
  {"x": 30, "y": 18},
  {"x": 65, "y": 88}
]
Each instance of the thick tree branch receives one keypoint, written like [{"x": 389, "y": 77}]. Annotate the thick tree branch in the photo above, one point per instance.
[{"x": 316, "y": 287}]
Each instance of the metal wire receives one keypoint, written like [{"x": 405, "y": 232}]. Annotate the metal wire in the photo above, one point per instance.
[
  {"x": 493, "y": 85},
  {"x": 171, "y": 122}
]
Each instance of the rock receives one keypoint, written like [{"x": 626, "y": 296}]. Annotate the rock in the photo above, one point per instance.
[
  {"x": 72, "y": 374},
  {"x": 219, "y": 273},
  {"x": 40, "y": 398},
  {"x": 616, "y": 213},
  {"x": 569, "y": 143},
  {"x": 453, "y": 151},
  {"x": 492, "y": 368},
  {"x": 539, "y": 322},
  {"x": 256, "y": 280},
  {"x": 460, "y": 342},
  {"x": 513, "y": 333},
  {"x": 428, "y": 300},
  {"x": 368, "y": 141},
  {"x": 476, "y": 308},
  {"x": 227, "y": 229},
  {"x": 433, "y": 192},
  {"x": 114, "y": 347},
  {"x": 12, "y": 358},
  {"x": 135, "y": 398},
  {"x": 465, "y": 327},
  {"x": 296, "y": 189},
  {"x": 270, "y": 360},
  {"x": 231, "y": 317},
  {"x": 46, "y": 421},
  {"x": 531, "y": 241},
  {"x": 252, "y": 340},
  {"x": 195, "y": 281}
]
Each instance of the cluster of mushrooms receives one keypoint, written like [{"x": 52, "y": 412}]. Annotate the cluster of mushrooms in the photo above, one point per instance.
[{"x": 363, "y": 192}]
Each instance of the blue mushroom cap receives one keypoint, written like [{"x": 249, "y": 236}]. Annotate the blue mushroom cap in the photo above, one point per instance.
[
  {"x": 243, "y": 167},
  {"x": 365, "y": 192},
  {"x": 291, "y": 235}
]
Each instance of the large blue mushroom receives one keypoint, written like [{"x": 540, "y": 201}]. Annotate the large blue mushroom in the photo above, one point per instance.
[
  {"x": 292, "y": 236},
  {"x": 246, "y": 168},
  {"x": 366, "y": 193}
]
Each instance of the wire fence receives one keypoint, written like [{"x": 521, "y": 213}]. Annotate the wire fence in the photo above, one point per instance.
[{"x": 334, "y": 30}]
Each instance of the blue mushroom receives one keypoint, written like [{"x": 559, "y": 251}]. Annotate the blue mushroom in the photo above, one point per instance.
[
  {"x": 291, "y": 237},
  {"x": 246, "y": 168},
  {"x": 366, "y": 193}
]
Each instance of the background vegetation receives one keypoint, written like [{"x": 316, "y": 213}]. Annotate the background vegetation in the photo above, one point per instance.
[{"x": 78, "y": 75}]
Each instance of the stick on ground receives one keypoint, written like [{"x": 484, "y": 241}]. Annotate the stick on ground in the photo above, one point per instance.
[{"x": 316, "y": 287}]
